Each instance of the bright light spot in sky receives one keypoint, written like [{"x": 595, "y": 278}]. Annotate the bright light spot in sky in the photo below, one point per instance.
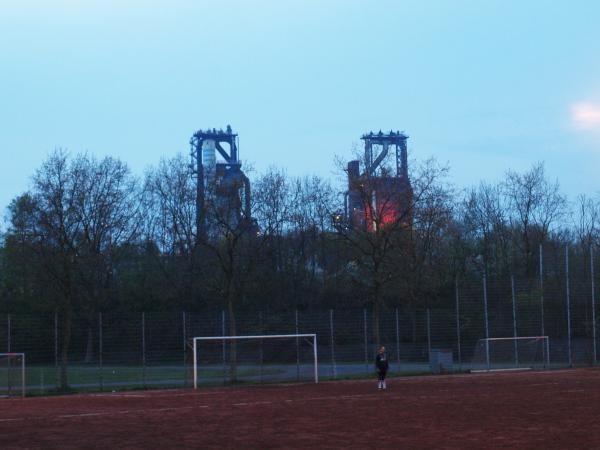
[{"x": 586, "y": 115}]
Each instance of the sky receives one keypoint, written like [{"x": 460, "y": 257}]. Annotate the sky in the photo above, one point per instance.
[{"x": 482, "y": 85}]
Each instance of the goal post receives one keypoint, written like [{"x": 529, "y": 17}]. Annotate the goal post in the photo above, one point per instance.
[
  {"x": 272, "y": 357},
  {"x": 511, "y": 353},
  {"x": 12, "y": 374}
]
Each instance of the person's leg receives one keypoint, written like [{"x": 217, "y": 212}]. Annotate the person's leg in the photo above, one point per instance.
[
  {"x": 380, "y": 380},
  {"x": 383, "y": 386}
]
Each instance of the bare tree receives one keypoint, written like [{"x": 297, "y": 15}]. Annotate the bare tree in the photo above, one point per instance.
[
  {"x": 170, "y": 199},
  {"x": 433, "y": 215},
  {"x": 108, "y": 208},
  {"x": 536, "y": 205},
  {"x": 78, "y": 211},
  {"x": 587, "y": 220},
  {"x": 485, "y": 215},
  {"x": 304, "y": 243},
  {"x": 56, "y": 229},
  {"x": 25, "y": 279}
]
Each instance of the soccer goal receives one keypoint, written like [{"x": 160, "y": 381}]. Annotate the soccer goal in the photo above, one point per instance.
[
  {"x": 511, "y": 353},
  {"x": 254, "y": 359},
  {"x": 12, "y": 374}
]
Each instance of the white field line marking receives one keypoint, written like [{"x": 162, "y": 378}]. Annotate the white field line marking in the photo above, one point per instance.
[
  {"x": 257, "y": 403},
  {"x": 160, "y": 394},
  {"x": 111, "y": 394},
  {"x": 127, "y": 411},
  {"x": 283, "y": 401},
  {"x": 341, "y": 397},
  {"x": 252, "y": 403},
  {"x": 151, "y": 410},
  {"x": 324, "y": 398},
  {"x": 300, "y": 400},
  {"x": 104, "y": 413}
]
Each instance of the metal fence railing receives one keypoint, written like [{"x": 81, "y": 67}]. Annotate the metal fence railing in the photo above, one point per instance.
[{"x": 110, "y": 350}]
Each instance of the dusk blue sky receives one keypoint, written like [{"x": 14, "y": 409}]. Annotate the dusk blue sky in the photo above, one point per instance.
[{"x": 485, "y": 86}]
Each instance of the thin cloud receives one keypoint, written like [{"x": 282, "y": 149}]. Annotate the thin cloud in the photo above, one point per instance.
[{"x": 586, "y": 115}]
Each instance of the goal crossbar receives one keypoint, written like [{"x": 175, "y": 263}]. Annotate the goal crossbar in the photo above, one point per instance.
[
  {"x": 22, "y": 357},
  {"x": 264, "y": 336}
]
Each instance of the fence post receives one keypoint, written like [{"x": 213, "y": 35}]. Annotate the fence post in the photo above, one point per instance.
[
  {"x": 56, "y": 347},
  {"x": 184, "y": 348},
  {"x": 428, "y": 334},
  {"x": 223, "y": 349},
  {"x": 458, "y": 324},
  {"x": 366, "y": 341},
  {"x": 514, "y": 314},
  {"x": 261, "y": 353},
  {"x": 8, "y": 337},
  {"x": 100, "y": 368},
  {"x": 297, "y": 348},
  {"x": 487, "y": 331},
  {"x": 144, "y": 350},
  {"x": 542, "y": 290},
  {"x": 568, "y": 304},
  {"x": 593, "y": 304},
  {"x": 9, "y": 349},
  {"x": 333, "y": 365},
  {"x": 398, "y": 339}
]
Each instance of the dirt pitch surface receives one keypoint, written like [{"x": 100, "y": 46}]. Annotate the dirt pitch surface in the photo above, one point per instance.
[{"x": 525, "y": 410}]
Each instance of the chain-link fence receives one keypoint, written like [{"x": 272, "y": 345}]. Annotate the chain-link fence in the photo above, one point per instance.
[{"x": 110, "y": 351}]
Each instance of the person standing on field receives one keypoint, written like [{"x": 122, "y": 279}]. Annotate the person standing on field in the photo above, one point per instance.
[{"x": 381, "y": 366}]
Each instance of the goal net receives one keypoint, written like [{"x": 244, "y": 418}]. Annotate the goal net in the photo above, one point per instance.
[
  {"x": 254, "y": 359},
  {"x": 12, "y": 374},
  {"x": 511, "y": 353}
]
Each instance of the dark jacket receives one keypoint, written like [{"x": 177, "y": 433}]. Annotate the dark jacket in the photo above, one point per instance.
[{"x": 381, "y": 362}]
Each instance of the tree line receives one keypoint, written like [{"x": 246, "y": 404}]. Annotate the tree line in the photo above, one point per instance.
[{"x": 90, "y": 236}]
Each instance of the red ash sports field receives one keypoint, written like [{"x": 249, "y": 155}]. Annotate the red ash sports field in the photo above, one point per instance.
[{"x": 525, "y": 410}]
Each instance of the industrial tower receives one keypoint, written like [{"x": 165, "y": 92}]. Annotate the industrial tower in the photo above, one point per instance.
[
  {"x": 223, "y": 190},
  {"x": 377, "y": 197}
]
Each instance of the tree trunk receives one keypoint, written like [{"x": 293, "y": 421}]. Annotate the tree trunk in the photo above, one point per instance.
[
  {"x": 64, "y": 349},
  {"x": 413, "y": 322},
  {"x": 528, "y": 256},
  {"x": 89, "y": 349}
]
